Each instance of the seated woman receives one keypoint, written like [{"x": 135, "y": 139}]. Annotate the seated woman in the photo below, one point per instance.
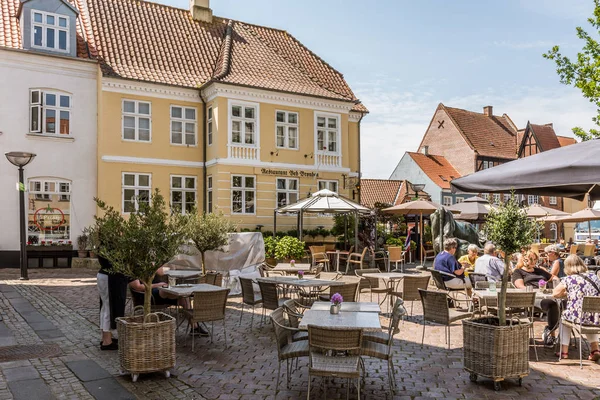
[
  {"x": 468, "y": 260},
  {"x": 575, "y": 286},
  {"x": 527, "y": 274},
  {"x": 557, "y": 265}
]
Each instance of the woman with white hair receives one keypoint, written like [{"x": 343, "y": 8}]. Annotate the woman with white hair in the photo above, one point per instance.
[{"x": 468, "y": 260}]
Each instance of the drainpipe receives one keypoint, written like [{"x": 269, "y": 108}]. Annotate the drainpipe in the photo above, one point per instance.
[{"x": 204, "y": 172}]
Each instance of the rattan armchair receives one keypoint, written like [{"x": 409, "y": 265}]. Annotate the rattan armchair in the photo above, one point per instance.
[
  {"x": 397, "y": 256},
  {"x": 383, "y": 351},
  {"x": 370, "y": 284},
  {"x": 436, "y": 310},
  {"x": 349, "y": 291},
  {"x": 438, "y": 280},
  {"x": 334, "y": 352},
  {"x": 355, "y": 260},
  {"x": 287, "y": 349},
  {"x": 591, "y": 304},
  {"x": 270, "y": 297},
  {"x": 249, "y": 297},
  {"x": 294, "y": 317},
  {"x": 409, "y": 289},
  {"x": 208, "y": 307}
]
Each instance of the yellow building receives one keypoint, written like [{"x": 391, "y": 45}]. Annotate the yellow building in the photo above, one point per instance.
[{"x": 234, "y": 117}]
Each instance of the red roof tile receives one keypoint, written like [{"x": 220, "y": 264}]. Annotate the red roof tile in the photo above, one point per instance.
[
  {"x": 491, "y": 136},
  {"x": 565, "y": 140},
  {"x": 437, "y": 168},
  {"x": 546, "y": 137},
  {"x": 378, "y": 191}
]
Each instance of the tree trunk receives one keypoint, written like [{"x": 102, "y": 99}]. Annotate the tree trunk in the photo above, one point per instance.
[
  {"x": 203, "y": 267},
  {"x": 147, "y": 297},
  {"x": 502, "y": 296}
]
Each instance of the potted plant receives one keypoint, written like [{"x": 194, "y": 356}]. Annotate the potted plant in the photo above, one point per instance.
[
  {"x": 270, "y": 246},
  {"x": 491, "y": 347},
  {"x": 336, "y": 303},
  {"x": 82, "y": 243},
  {"x": 208, "y": 232},
  {"x": 289, "y": 248},
  {"x": 93, "y": 240},
  {"x": 137, "y": 247}
]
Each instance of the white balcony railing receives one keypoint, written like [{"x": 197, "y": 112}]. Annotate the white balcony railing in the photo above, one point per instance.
[
  {"x": 243, "y": 152},
  {"x": 329, "y": 160}
]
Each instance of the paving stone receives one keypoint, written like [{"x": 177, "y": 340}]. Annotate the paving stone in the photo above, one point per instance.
[
  {"x": 33, "y": 316},
  {"x": 7, "y": 341},
  {"x": 50, "y": 334},
  {"x": 20, "y": 373},
  {"x": 88, "y": 370},
  {"x": 42, "y": 326},
  {"x": 30, "y": 389},
  {"x": 108, "y": 389}
]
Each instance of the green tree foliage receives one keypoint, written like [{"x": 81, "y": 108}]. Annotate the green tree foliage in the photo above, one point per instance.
[
  {"x": 509, "y": 228},
  {"x": 209, "y": 232},
  {"x": 270, "y": 246},
  {"x": 583, "y": 72},
  {"x": 137, "y": 246},
  {"x": 289, "y": 247}
]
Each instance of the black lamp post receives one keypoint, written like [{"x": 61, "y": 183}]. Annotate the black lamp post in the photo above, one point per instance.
[{"x": 21, "y": 159}]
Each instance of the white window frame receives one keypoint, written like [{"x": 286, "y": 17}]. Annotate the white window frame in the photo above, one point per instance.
[
  {"x": 44, "y": 26},
  {"x": 446, "y": 201},
  {"x": 287, "y": 191},
  {"x": 327, "y": 184},
  {"x": 338, "y": 130},
  {"x": 209, "y": 194},
  {"x": 40, "y": 108},
  {"x": 136, "y": 115},
  {"x": 243, "y": 189},
  {"x": 209, "y": 125},
  {"x": 552, "y": 200},
  {"x": 286, "y": 129},
  {"x": 485, "y": 196},
  {"x": 242, "y": 119},
  {"x": 183, "y": 120},
  {"x": 136, "y": 187},
  {"x": 555, "y": 230},
  {"x": 497, "y": 198},
  {"x": 183, "y": 191},
  {"x": 459, "y": 200},
  {"x": 506, "y": 197},
  {"x": 45, "y": 194},
  {"x": 533, "y": 199}
]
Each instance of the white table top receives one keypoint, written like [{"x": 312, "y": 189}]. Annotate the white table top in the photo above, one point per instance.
[
  {"x": 486, "y": 294},
  {"x": 289, "y": 268},
  {"x": 348, "y": 306},
  {"x": 367, "y": 321},
  {"x": 188, "y": 290},
  {"x": 183, "y": 273},
  {"x": 293, "y": 281},
  {"x": 392, "y": 275}
]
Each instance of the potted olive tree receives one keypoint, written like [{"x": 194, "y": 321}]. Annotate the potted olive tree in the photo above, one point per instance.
[
  {"x": 137, "y": 247},
  {"x": 493, "y": 348},
  {"x": 82, "y": 243},
  {"x": 208, "y": 232}
]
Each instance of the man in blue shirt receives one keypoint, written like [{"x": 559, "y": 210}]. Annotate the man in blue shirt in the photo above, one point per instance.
[{"x": 446, "y": 262}]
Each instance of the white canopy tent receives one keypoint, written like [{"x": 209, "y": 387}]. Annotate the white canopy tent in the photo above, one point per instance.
[{"x": 323, "y": 201}]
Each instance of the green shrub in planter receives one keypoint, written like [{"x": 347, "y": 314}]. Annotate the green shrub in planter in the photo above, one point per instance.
[
  {"x": 392, "y": 241},
  {"x": 289, "y": 247},
  {"x": 270, "y": 246}
]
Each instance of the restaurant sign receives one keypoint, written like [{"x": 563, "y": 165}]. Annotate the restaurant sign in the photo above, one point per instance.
[
  {"x": 49, "y": 218},
  {"x": 288, "y": 172}
]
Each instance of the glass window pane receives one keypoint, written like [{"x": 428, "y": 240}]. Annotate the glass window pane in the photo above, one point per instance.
[
  {"x": 62, "y": 22},
  {"x": 236, "y": 111},
  {"x": 332, "y": 141},
  {"x": 65, "y": 101},
  {"x": 176, "y": 196},
  {"x": 50, "y": 121},
  {"x": 35, "y": 96},
  {"x": 249, "y": 112},
  {"x": 249, "y": 202},
  {"x": 50, "y": 19},
  {"x": 293, "y": 197},
  {"x": 35, "y": 118},
  {"x": 320, "y": 143},
  {"x": 280, "y": 136},
  {"x": 331, "y": 122},
  {"x": 190, "y": 113},
  {"x": 64, "y": 122},
  {"x": 190, "y": 183},
  {"x": 190, "y": 127},
  {"x": 249, "y": 182},
  {"x": 50, "y": 38},
  {"x": 129, "y": 180},
  {"x": 176, "y": 112},
  {"x": 210, "y": 113},
  {"x": 177, "y": 138},
  {"x": 293, "y": 118},
  {"x": 50, "y": 99},
  {"x": 144, "y": 180},
  {"x": 62, "y": 40},
  {"x": 144, "y": 108},
  {"x": 143, "y": 196},
  {"x": 237, "y": 181},
  {"x": 144, "y": 135},
  {"x": 190, "y": 198},
  {"x": 37, "y": 35},
  {"x": 129, "y": 106},
  {"x": 144, "y": 123},
  {"x": 281, "y": 199},
  {"x": 190, "y": 139},
  {"x": 292, "y": 136},
  {"x": 209, "y": 181},
  {"x": 280, "y": 116},
  {"x": 280, "y": 184},
  {"x": 128, "y": 206},
  {"x": 176, "y": 126},
  {"x": 176, "y": 182},
  {"x": 236, "y": 201},
  {"x": 37, "y": 17},
  {"x": 333, "y": 187},
  {"x": 321, "y": 122},
  {"x": 293, "y": 184}
]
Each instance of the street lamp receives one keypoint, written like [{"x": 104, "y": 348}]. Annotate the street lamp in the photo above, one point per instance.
[
  {"x": 21, "y": 159},
  {"x": 417, "y": 187}
]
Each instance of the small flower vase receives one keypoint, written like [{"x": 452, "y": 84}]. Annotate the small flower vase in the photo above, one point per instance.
[
  {"x": 300, "y": 276},
  {"x": 542, "y": 288},
  {"x": 292, "y": 264},
  {"x": 335, "y": 308}
]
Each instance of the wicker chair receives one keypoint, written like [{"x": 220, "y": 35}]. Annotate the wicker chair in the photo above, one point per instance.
[
  {"x": 208, "y": 307},
  {"x": 249, "y": 297},
  {"x": 591, "y": 304},
  {"x": 410, "y": 289},
  {"x": 383, "y": 351},
  {"x": 287, "y": 349},
  {"x": 294, "y": 316},
  {"x": 475, "y": 277},
  {"x": 356, "y": 260},
  {"x": 438, "y": 280},
  {"x": 270, "y": 297},
  {"x": 344, "y": 257},
  {"x": 397, "y": 256},
  {"x": 319, "y": 256},
  {"x": 325, "y": 360},
  {"x": 380, "y": 255},
  {"x": 370, "y": 284},
  {"x": 349, "y": 291},
  {"x": 436, "y": 310}
]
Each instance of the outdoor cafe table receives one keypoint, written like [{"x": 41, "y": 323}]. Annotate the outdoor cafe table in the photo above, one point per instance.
[
  {"x": 182, "y": 291},
  {"x": 313, "y": 285},
  {"x": 485, "y": 295},
  {"x": 348, "y": 306},
  {"x": 389, "y": 278},
  {"x": 366, "y": 321},
  {"x": 183, "y": 273},
  {"x": 337, "y": 254},
  {"x": 288, "y": 268}
]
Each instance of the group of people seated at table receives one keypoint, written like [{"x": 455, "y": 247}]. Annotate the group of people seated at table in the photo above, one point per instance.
[{"x": 570, "y": 279}]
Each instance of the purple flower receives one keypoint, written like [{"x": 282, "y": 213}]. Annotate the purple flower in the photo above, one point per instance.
[
  {"x": 542, "y": 283},
  {"x": 337, "y": 298},
  {"x": 292, "y": 261},
  {"x": 300, "y": 274}
]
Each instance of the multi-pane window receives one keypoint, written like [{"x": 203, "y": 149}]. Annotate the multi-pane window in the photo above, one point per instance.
[
  {"x": 136, "y": 120},
  {"x": 286, "y": 127},
  {"x": 243, "y": 193},
  {"x": 183, "y": 193},
  {"x": 331, "y": 185},
  {"x": 532, "y": 199},
  {"x": 459, "y": 200},
  {"x": 287, "y": 191},
  {"x": 49, "y": 210},
  {"x": 46, "y": 109},
  {"x": 183, "y": 125},
  {"x": 327, "y": 133},
  {"x": 136, "y": 190},
  {"x": 209, "y": 194},
  {"x": 447, "y": 201},
  {"x": 506, "y": 197},
  {"x": 485, "y": 196},
  {"x": 209, "y": 125},
  {"x": 553, "y": 231},
  {"x": 496, "y": 198},
  {"x": 553, "y": 200},
  {"x": 49, "y": 31},
  {"x": 243, "y": 124}
]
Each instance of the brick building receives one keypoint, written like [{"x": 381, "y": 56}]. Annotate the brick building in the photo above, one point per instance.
[{"x": 388, "y": 191}]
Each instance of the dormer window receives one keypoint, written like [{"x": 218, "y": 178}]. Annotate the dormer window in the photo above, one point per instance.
[{"x": 49, "y": 31}]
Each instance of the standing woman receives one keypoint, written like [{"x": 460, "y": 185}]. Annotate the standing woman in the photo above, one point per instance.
[{"x": 107, "y": 343}]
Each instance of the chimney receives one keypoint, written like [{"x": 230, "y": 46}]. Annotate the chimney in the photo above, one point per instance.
[
  {"x": 200, "y": 10},
  {"x": 487, "y": 110},
  {"x": 426, "y": 150}
]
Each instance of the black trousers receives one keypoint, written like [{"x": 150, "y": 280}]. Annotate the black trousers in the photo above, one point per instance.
[{"x": 117, "y": 294}]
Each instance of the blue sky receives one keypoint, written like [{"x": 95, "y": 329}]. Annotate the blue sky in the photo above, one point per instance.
[{"x": 402, "y": 58}]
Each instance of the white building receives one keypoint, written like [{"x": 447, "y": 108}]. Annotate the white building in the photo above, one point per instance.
[{"x": 48, "y": 106}]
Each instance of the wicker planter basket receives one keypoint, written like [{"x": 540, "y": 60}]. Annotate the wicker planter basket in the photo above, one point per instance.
[
  {"x": 146, "y": 346},
  {"x": 495, "y": 352}
]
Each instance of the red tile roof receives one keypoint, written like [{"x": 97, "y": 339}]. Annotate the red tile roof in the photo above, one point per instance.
[
  {"x": 491, "y": 136},
  {"x": 565, "y": 140},
  {"x": 379, "y": 191},
  {"x": 437, "y": 168},
  {"x": 546, "y": 137},
  {"x": 150, "y": 42}
]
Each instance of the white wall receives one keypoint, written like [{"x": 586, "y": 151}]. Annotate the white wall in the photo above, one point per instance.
[
  {"x": 408, "y": 169},
  {"x": 72, "y": 159}
]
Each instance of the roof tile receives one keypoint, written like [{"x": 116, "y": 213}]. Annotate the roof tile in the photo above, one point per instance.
[
  {"x": 546, "y": 137},
  {"x": 565, "y": 140},
  {"x": 437, "y": 168}
]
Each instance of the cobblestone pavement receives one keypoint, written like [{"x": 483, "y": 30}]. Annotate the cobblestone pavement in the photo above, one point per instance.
[{"x": 247, "y": 368}]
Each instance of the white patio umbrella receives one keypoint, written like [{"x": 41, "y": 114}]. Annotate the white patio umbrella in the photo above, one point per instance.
[{"x": 587, "y": 214}]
